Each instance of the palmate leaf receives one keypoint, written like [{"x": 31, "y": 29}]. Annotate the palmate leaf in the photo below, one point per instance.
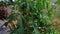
[
  {"x": 11, "y": 18},
  {"x": 20, "y": 30}
]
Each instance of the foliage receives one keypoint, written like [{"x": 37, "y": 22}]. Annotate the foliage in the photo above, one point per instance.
[
  {"x": 58, "y": 2},
  {"x": 35, "y": 17}
]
